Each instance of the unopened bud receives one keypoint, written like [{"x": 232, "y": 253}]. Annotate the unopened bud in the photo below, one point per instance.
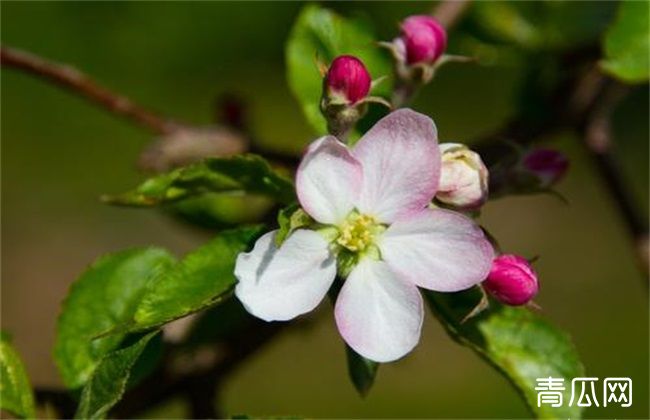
[
  {"x": 548, "y": 165},
  {"x": 463, "y": 177},
  {"x": 424, "y": 39},
  {"x": 512, "y": 280},
  {"x": 348, "y": 79}
]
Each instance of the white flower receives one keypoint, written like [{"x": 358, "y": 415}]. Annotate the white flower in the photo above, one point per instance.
[
  {"x": 373, "y": 201},
  {"x": 463, "y": 177}
]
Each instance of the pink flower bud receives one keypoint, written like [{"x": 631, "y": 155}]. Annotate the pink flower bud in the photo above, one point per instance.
[
  {"x": 424, "y": 39},
  {"x": 511, "y": 280},
  {"x": 548, "y": 165},
  {"x": 463, "y": 177},
  {"x": 349, "y": 78}
]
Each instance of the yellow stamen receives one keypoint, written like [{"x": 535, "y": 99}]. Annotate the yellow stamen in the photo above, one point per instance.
[{"x": 357, "y": 232}]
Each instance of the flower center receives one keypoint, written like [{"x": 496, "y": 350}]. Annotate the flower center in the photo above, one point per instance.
[{"x": 358, "y": 232}]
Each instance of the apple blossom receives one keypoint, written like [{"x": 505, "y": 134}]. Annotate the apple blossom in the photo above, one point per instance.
[
  {"x": 463, "y": 177},
  {"x": 512, "y": 280},
  {"x": 374, "y": 228}
]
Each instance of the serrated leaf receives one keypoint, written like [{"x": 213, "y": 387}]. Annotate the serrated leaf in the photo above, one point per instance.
[
  {"x": 320, "y": 34},
  {"x": 248, "y": 174},
  {"x": 520, "y": 344},
  {"x": 627, "y": 43},
  {"x": 103, "y": 297},
  {"x": 107, "y": 384},
  {"x": 361, "y": 370},
  {"x": 203, "y": 278},
  {"x": 15, "y": 390}
]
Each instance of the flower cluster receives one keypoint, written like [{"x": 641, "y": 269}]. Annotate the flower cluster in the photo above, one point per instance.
[{"x": 385, "y": 216}]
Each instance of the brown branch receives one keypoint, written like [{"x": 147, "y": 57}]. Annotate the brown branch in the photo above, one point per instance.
[
  {"x": 202, "y": 386},
  {"x": 177, "y": 145},
  {"x": 72, "y": 79},
  {"x": 597, "y": 137},
  {"x": 449, "y": 12}
]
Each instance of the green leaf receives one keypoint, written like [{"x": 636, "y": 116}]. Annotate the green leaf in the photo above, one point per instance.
[
  {"x": 15, "y": 391},
  {"x": 291, "y": 218},
  {"x": 320, "y": 34},
  {"x": 203, "y": 278},
  {"x": 361, "y": 370},
  {"x": 218, "y": 211},
  {"x": 107, "y": 384},
  {"x": 627, "y": 43},
  {"x": 517, "y": 342},
  {"x": 248, "y": 174},
  {"x": 105, "y": 295}
]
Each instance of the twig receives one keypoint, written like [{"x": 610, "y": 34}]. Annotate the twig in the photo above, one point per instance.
[
  {"x": 74, "y": 80},
  {"x": 201, "y": 387},
  {"x": 179, "y": 143},
  {"x": 597, "y": 137},
  {"x": 449, "y": 12}
]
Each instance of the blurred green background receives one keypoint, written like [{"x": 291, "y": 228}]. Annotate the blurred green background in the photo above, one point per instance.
[{"x": 59, "y": 154}]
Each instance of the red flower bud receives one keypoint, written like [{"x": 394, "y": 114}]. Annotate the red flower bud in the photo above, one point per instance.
[
  {"x": 511, "y": 280},
  {"x": 549, "y": 165},
  {"x": 424, "y": 39},
  {"x": 348, "y": 77}
]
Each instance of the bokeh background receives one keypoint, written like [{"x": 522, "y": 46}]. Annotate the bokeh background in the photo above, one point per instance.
[{"x": 59, "y": 154}]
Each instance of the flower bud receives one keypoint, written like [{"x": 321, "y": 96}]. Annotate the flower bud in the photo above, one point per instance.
[
  {"x": 424, "y": 39},
  {"x": 463, "y": 177},
  {"x": 547, "y": 164},
  {"x": 348, "y": 79},
  {"x": 512, "y": 280}
]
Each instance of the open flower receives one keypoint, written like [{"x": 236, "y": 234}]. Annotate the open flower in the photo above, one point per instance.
[{"x": 375, "y": 228}]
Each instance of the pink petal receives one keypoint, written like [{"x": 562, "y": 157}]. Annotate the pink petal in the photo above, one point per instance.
[
  {"x": 401, "y": 165},
  {"x": 438, "y": 250},
  {"x": 328, "y": 181},
  {"x": 280, "y": 284},
  {"x": 377, "y": 314}
]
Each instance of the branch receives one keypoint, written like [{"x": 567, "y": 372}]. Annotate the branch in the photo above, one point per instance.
[
  {"x": 597, "y": 137},
  {"x": 449, "y": 12},
  {"x": 178, "y": 144},
  {"x": 201, "y": 386},
  {"x": 72, "y": 79}
]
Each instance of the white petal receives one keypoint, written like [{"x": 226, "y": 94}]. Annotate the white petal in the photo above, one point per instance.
[
  {"x": 379, "y": 315},
  {"x": 328, "y": 181},
  {"x": 280, "y": 284},
  {"x": 437, "y": 249},
  {"x": 401, "y": 165}
]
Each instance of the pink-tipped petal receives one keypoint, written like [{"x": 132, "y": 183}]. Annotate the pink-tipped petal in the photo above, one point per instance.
[
  {"x": 401, "y": 165},
  {"x": 328, "y": 181},
  {"x": 277, "y": 284},
  {"x": 377, "y": 314},
  {"x": 438, "y": 250}
]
